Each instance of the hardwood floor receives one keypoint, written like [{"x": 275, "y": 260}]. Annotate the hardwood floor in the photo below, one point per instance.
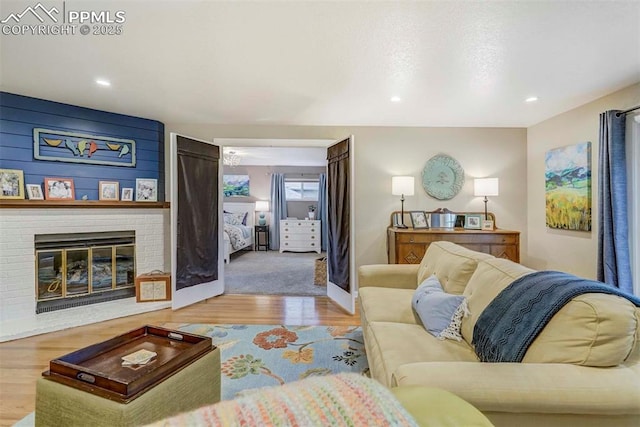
[{"x": 23, "y": 361}]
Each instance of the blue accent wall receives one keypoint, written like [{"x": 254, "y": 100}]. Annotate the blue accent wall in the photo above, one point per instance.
[{"x": 19, "y": 115}]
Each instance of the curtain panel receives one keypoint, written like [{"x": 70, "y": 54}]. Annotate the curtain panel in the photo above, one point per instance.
[
  {"x": 614, "y": 265},
  {"x": 338, "y": 214},
  {"x": 322, "y": 209},
  {"x": 278, "y": 209}
]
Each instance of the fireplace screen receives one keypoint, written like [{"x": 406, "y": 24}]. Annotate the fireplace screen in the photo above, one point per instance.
[
  {"x": 110, "y": 268},
  {"x": 85, "y": 268}
]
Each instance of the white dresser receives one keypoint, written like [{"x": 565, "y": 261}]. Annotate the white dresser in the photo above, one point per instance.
[{"x": 300, "y": 235}]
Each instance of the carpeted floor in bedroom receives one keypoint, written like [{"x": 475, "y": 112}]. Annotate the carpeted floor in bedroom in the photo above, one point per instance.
[{"x": 272, "y": 273}]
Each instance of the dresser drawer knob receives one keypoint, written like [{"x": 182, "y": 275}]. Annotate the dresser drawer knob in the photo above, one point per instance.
[
  {"x": 313, "y": 244},
  {"x": 411, "y": 240},
  {"x": 313, "y": 237},
  {"x": 286, "y": 229}
]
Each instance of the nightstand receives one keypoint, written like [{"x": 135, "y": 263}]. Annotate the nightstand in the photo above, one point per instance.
[{"x": 264, "y": 231}]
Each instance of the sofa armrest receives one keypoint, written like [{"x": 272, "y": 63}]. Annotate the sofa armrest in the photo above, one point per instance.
[
  {"x": 550, "y": 388},
  {"x": 401, "y": 276}
]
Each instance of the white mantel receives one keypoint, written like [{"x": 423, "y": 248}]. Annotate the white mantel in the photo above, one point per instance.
[{"x": 18, "y": 226}]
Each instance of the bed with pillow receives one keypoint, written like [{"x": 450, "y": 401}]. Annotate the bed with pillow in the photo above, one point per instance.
[{"x": 238, "y": 227}]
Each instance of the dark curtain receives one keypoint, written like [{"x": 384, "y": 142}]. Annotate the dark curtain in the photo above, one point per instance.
[
  {"x": 197, "y": 233},
  {"x": 614, "y": 265},
  {"x": 278, "y": 209},
  {"x": 338, "y": 214},
  {"x": 322, "y": 209}
]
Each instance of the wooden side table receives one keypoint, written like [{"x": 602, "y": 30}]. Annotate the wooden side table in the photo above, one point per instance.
[{"x": 261, "y": 230}]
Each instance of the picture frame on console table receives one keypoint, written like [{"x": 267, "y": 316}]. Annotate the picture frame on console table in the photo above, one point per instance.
[
  {"x": 419, "y": 220},
  {"x": 473, "y": 221},
  {"x": 487, "y": 225}
]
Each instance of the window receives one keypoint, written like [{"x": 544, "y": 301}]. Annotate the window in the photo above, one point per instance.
[{"x": 301, "y": 190}]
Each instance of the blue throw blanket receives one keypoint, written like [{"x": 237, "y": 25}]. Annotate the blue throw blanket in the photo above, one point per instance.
[{"x": 511, "y": 322}]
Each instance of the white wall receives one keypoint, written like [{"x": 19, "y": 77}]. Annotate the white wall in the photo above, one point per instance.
[
  {"x": 382, "y": 152},
  {"x": 571, "y": 251}
]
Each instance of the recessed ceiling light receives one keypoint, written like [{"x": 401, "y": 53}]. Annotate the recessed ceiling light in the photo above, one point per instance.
[
  {"x": 103, "y": 82},
  {"x": 395, "y": 99},
  {"x": 531, "y": 99}
]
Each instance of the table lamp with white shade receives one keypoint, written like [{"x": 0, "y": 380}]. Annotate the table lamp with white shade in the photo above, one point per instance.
[
  {"x": 485, "y": 187},
  {"x": 402, "y": 186},
  {"x": 262, "y": 206}
]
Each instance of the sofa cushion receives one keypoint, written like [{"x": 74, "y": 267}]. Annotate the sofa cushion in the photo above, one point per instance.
[
  {"x": 591, "y": 329},
  {"x": 391, "y": 345},
  {"x": 451, "y": 263},
  {"x": 491, "y": 277},
  {"x": 386, "y": 305},
  {"x": 435, "y": 307}
]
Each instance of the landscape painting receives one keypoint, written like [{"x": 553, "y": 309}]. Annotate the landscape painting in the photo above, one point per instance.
[
  {"x": 568, "y": 187},
  {"x": 235, "y": 185}
]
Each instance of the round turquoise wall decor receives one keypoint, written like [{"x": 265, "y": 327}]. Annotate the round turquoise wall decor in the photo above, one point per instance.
[{"x": 442, "y": 177}]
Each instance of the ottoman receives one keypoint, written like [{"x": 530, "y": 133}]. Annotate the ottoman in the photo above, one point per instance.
[{"x": 195, "y": 385}]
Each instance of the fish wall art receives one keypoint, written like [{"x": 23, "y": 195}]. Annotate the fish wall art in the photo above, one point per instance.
[{"x": 75, "y": 147}]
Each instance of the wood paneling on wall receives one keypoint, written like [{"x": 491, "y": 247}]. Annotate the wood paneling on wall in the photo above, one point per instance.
[{"x": 19, "y": 115}]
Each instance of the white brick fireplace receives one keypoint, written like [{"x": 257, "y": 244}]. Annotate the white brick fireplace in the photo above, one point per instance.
[{"x": 18, "y": 226}]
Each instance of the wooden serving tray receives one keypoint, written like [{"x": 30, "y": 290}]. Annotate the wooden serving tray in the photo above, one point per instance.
[{"x": 98, "y": 369}]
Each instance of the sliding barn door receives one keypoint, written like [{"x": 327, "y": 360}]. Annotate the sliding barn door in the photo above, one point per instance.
[
  {"x": 340, "y": 225},
  {"x": 196, "y": 221}
]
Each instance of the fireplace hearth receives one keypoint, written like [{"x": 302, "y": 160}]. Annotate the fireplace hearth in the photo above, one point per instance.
[{"x": 74, "y": 269}]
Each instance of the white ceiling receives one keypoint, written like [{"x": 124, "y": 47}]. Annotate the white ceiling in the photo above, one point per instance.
[
  {"x": 453, "y": 63},
  {"x": 280, "y": 156}
]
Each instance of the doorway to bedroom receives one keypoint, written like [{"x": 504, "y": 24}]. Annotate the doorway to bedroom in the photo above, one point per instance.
[{"x": 264, "y": 255}]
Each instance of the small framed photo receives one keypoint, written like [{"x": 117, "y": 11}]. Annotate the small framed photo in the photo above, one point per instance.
[
  {"x": 146, "y": 190},
  {"x": 59, "y": 189},
  {"x": 11, "y": 184},
  {"x": 108, "y": 190},
  {"x": 473, "y": 221},
  {"x": 396, "y": 219},
  {"x": 487, "y": 224},
  {"x": 419, "y": 219},
  {"x": 127, "y": 195},
  {"x": 34, "y": 192}
]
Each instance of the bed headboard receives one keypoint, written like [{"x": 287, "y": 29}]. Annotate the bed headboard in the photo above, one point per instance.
[{"x": 249, "y": 207}]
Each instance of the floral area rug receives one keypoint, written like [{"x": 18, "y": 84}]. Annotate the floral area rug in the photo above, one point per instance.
[{"x": 254, "y": 356}]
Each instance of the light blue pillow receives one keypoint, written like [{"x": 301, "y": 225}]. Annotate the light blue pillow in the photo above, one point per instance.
[{"x": 435, "y": 308}]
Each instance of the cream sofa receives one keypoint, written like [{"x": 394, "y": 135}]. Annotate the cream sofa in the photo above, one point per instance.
[{"x": 583, "y": 369}]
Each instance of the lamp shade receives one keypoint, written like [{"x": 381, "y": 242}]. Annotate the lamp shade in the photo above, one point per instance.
[
  {"x": 262, "y": 206},
  {"x": 402, "y": 185},
  {"x": 485, "y": 187}
]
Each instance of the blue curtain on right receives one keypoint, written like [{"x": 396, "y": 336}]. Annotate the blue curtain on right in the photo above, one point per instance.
[
  {"x": 322, "y": 209},
  {"x": 614, "y": 266},
  {"x": 278, "y": 209}
]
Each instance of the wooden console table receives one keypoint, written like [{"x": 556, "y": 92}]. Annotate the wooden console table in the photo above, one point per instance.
[{"x": 407, "y": 245}]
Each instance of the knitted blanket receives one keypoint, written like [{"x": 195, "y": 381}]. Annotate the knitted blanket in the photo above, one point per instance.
[
  {"x": 333, "y": 400},
  {"x": 511, "y": 322}
]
